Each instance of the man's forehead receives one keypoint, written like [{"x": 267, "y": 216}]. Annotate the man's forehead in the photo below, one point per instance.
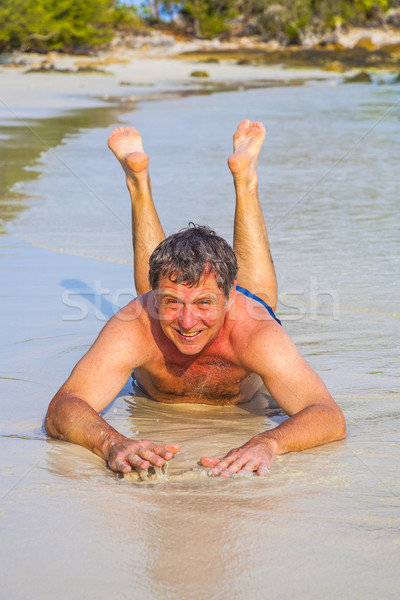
[{"x": 206, "y": 286}]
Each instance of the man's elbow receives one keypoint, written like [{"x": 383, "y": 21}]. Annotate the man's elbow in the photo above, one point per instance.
[
  {"x": 51, "y": 418},
  {"x": 339, "y": 424},
  {"x": 49, "y": 425}
]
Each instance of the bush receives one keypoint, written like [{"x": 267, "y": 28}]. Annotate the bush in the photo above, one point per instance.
[
  {"x": 209, "y": 18},
  {"x": 291, "y": 20},
  {"x": 42, "y": 25}
]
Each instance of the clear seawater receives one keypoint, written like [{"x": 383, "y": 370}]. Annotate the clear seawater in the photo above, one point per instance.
[{"x": 325, "y": 522}]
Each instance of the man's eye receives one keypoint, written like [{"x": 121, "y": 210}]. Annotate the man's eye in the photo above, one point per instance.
[{"x": 170, "y": 302}]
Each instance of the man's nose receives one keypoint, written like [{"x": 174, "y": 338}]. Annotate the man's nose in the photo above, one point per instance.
[{"x": 186, "y": 318}]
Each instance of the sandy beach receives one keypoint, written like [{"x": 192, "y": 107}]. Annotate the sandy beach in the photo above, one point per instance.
[
  {"x": 328, "y": 517},
  {"x": 123, "y": 74}
]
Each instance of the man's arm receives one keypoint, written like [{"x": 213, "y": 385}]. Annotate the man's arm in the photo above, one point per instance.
[
  {"x": 94, "y": 382},
  {"x": 314, "y": 417}
]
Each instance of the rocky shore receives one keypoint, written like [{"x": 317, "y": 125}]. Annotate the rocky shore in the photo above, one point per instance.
[{"x": 374, "y": 48}]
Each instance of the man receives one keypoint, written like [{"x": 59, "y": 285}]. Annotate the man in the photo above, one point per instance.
[{"x": 201, "y": 330}]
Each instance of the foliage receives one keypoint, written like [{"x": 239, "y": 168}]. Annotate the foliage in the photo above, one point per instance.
[
  {"x": 153, "y": 11},
  {"x": 292, "y": 20},
  {"x": 287, "y": 20},
  {"x": 73, "y": 25},
  {"x": 59, "y": 24},
  {"x": 209, "y": 17}
]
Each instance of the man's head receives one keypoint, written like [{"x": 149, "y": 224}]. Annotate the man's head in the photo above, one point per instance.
[
  {"x": 190, "y": 255},
  {"x": 192, "y": 274}
]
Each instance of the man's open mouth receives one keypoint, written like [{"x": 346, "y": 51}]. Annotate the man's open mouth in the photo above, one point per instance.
[{"x": 188, "y": 335}]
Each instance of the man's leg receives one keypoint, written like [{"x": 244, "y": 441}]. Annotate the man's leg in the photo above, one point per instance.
[
  {"x": 147, "y": 233},
  {"x": 250, "y": 239}
]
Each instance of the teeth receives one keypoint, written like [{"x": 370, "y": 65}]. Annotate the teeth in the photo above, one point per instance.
[{"x": 193, "y": 333}]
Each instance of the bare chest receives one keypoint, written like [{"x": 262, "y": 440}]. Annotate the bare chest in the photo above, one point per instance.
[{"x": 211, "y": 379}]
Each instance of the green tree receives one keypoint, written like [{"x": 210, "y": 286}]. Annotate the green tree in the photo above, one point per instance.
[
  {"x": 291, "y": 20},
  {"x": 57, "y": 24},
  {"x": 153, "y": 10},
  {"x": 209, "y": 17}
]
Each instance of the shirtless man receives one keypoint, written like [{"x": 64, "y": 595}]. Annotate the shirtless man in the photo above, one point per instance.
[{"x": 193, "y": 335}]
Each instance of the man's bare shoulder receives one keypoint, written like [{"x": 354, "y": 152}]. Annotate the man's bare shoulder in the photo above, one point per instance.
[
  {"x": 130, "y": 327},
  {"x": 252, "y": 327},
  {"x": 134, "y": 314},
  {"x": 248, "y": 316}
]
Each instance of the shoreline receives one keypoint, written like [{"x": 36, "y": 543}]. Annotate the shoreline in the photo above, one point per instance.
[
  {"x": 44, "y": 98},
  {"x": 340, "y": 50},
  {"x": 39, "y": 106},
  {"x": 61, "y": 82},
  {"x": 159, "y": 66}
]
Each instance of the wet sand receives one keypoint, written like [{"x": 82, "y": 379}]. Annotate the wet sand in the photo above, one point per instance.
[{"x": 324, "y": 523}]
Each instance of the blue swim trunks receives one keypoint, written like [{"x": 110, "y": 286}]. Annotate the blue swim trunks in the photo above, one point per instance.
[{"x": 243, "y": 290}]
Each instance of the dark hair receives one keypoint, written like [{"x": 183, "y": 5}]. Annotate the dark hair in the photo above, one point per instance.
[{"x": 185, "y": 256}]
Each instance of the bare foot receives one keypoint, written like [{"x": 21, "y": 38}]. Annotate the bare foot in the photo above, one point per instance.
[
  {"x": 247, "y": 142},
  {"x": 126, "y": 143}
]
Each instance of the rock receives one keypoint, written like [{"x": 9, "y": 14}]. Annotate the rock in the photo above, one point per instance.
[
  {"x": 367, "y": 43},
  {"x": 331, "y": 46},
  {"x": 393, "y": 49},
  {"x": 329, "y": 39},
  {"x": 309, "y": 40},
  {"x": 392, "y": 17},
  {"x": 360, "y": 77},
  {"x": 90, "y": 69},
  {"x": 334, "y": 65},
  {"x": 20, "y": 61},
  {"x": 199, "y": 74},
  {"x": 41, "y": 68}
]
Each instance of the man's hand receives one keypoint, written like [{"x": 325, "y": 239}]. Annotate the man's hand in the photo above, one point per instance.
[
  {"x": 254, "y": 456},
  {"x": 139, "y": 454}
]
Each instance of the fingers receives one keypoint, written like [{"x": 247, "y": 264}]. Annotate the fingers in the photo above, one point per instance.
[
  {"x": 208, "y": 461},
  {"x": 139, "y": 455},
  {"x": 125, "y": 462},
  {"x": 239, "y": 462},
  {"x": 155, "y": 454},
  {"x": 230, "y": 465},
  {"x": 150, "y": 457},
  {"x": 173, "y": 448},
  {"x": 169, "y": 451},
  {"x": 120, "y": 465},
  {"x": 262, "y": 470},
  {"x": 248, "y": 459}
]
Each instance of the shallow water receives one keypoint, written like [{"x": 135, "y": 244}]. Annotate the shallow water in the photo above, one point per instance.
[{"x": 324, "y": 522}]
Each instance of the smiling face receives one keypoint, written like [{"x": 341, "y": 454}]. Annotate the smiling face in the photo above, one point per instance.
[{"x": 191, "y": 317}]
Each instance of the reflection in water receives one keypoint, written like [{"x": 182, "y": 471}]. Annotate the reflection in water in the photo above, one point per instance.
[
  {"x": 192, "y": 535},
  {"x": 201, "y": 430},
  {"x": 21, "y": 145}
]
